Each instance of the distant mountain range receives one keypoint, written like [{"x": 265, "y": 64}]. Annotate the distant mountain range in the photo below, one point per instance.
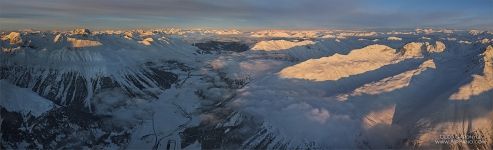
[{"x": 230, "y": 89}]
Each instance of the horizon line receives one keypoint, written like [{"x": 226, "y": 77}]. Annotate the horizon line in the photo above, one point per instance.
[{"x": 65, "y": 29}]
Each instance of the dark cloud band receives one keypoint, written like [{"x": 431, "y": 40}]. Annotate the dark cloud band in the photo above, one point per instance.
[{"x": 245, "y": 13}]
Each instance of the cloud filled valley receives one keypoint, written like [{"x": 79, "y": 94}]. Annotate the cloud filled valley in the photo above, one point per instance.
[{"x": 230, "y": 89}]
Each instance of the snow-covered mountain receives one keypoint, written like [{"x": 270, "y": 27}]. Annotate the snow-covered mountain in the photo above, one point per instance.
[{"x": 228, "y": 89}]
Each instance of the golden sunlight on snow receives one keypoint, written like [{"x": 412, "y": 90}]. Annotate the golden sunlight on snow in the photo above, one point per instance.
[
  {"x": 413, "y": 49},
  {"x": 391, "y": 83},
  {"x": 147, "y": 41},
  {"x": 78, "y": 43},
  {"x": 416, "y": 49},
  {"x": 437, "y": 48},
  {"x": 274, "y": 45},
  {"x": 480, "y": 83},
  {"x": 13, "y": 38},
  {"x": 339, "y": 66},
  {"x": 393, "y": 38}
]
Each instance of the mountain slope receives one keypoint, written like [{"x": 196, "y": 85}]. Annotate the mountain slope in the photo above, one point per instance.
[
  {"x": 276, "y": 45},
  {"x": 69, "y": 68},
  {"x": 226, "y": 89},
  {"x": 357, "y": 61},
  {"x": 480, "y": 83},
  {"x": 16, "y": 99}
]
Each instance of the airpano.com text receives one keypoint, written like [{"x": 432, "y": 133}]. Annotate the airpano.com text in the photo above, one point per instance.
[{"x": 461, "y": 139}]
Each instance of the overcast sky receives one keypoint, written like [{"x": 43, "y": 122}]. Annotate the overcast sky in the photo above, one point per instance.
[{"x": 245, "y": 14}]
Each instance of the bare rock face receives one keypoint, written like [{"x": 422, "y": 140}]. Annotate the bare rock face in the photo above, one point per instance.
[
  {"x": 14, "y": 38},
  {"x": 81, "y": 31}
]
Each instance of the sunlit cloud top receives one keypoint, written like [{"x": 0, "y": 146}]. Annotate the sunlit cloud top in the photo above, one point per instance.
[{"x": 60, "y": 14}]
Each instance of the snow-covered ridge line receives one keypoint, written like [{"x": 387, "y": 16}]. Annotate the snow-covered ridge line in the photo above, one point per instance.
[
  {"x": 72, "y": 67},
  {"x": 274, "y": 45},
  {"x": 22, "y": 100},
  {"x": 194, "y": 35},
  {"x": 481, "y": 82},
  {"x": 340, "y": 66},
  {"x": 66, "y": 50},
  {"x": 358, "y": 61},
  {"x": 357, "y": 106},
  {"x": 156, "y": 85},
  {"x": 390, "y": 83}
]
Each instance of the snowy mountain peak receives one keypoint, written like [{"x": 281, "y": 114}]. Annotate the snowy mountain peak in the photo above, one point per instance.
[
  {"x": 14, "y": 38},
  {"x": 274, "y": 45},
  {"x": 57, "y": 38},
  {"x": 393, "y": 38},
  {"x": 475, "y": 32},
  {"x": 255, "y": 90},
  {"x": 413, "y": 49},
  {"x": 79, "y": 43},
  {"x": 417, "y": 49},
  {"x": 81, "y": 31},
  {"x": 57, "y": 66},
  {"x": 128, "y": 35},
  {"x": 147, "y": 41},
  {"x": 480, "y": 83},
  {"x": 438, "y": 47},
  {"x": 339, "y": 66}
]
